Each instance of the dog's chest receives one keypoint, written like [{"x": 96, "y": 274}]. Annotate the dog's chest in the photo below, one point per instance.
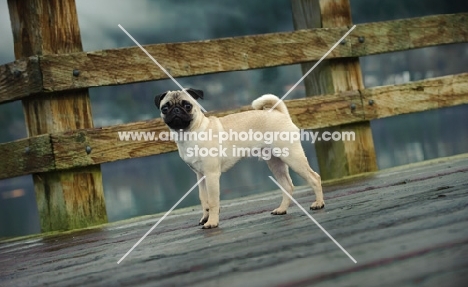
[{"x": 192, "y": 159}]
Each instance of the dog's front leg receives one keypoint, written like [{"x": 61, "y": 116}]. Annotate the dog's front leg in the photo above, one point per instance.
[
  {"x": 202, "y": 193},
  {"x": 212, "y": 188}
]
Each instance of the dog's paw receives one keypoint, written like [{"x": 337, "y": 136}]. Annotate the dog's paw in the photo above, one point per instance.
[
  {"x": 209, "y": 225},
  {"x": 203, "y": 220},
  {"x": 279, "y": 211},
  {"x": 317, "y": 205}
]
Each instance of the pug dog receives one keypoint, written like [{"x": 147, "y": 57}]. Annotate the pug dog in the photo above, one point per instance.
[{"x": 182, "y": 114}]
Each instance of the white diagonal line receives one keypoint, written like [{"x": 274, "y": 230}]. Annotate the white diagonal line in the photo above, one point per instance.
[
  {"x": 313, "y": 67},
  {"x": 313, "y": 219},
  {"x": 156, "y": 62},
  {"x": 161, "y": 219}
]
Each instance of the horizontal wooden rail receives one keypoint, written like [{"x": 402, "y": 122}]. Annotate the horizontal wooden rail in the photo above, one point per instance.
[
  {"x": 100, "y": 145},
  {"x": 26, "y": 156},
  {"x": 20, "y": 79},
  {"x": 51, "y": 73},
  {"x": 417, "y": 96}
]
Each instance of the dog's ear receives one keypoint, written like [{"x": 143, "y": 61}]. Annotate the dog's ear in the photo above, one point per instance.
[
  {"x": 196, "y": 94},
  {"x": 158, "y": 99}
]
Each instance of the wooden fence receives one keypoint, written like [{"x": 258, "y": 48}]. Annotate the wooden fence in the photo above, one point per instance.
[{"x": 52, "y": 73}]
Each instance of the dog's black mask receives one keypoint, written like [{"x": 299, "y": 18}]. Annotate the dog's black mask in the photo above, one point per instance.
[{"x": 178, "y": 112}]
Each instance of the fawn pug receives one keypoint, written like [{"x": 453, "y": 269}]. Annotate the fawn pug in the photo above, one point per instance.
[{"x": 182, "y": 114}]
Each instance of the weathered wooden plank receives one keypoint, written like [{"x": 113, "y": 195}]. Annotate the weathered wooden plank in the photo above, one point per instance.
[
  {"x": 336, "y": 159},
  {"x": 386, "y": 101},
  {"x": 412, "y": 33},
  {"x": 400, "y": 232},
  {"x": 65, "y": 199},
  {"x": 129, "y": 65},
  {"x": 119, "y": 66},
  {"x": 19, "y": 79},
  {"x": 104, "y": 144},
  {"x": 26, "y": 156}
]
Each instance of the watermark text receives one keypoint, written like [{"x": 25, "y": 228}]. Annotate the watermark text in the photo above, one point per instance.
[{"x": 233, "y": 136}]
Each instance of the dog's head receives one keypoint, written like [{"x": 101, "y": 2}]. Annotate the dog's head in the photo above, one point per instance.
[{"x": 179, "y": 108}]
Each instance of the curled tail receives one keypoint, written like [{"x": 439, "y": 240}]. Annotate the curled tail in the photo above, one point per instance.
[{"x": 267, "y": 101}]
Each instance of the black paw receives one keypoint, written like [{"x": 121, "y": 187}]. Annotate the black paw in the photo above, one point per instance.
[
  {"x": 317, "y": 207},
  {"x": 278, "y": 212},
  {"x": 209, "y": 226}
]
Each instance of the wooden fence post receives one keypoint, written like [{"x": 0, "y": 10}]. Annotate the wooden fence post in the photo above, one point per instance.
[
  {"x": 336, "y": 158},
  {"x": 73, "y": 198}
]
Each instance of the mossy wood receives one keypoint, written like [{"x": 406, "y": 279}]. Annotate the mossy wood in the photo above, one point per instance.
[{"x": 66, "y": 199}]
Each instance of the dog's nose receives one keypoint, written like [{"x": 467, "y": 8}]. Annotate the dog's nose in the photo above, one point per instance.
[{"x": 176, "y": 110}]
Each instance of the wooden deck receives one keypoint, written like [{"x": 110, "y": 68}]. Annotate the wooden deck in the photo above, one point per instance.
[{"x": 406, "y": 226}]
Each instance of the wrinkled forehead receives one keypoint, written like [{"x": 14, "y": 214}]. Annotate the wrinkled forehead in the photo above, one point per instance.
[{"x": 176, "y": 97}]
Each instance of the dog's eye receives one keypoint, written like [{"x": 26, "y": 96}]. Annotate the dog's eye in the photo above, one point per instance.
[
  {"x": 187, "y": 107},
  {"x": 164, "y": 109}
]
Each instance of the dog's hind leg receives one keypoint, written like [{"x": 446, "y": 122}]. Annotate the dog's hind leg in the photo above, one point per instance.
[
  {"x": 281, "y": 172},
  {"x": 297, "y": 161}
]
